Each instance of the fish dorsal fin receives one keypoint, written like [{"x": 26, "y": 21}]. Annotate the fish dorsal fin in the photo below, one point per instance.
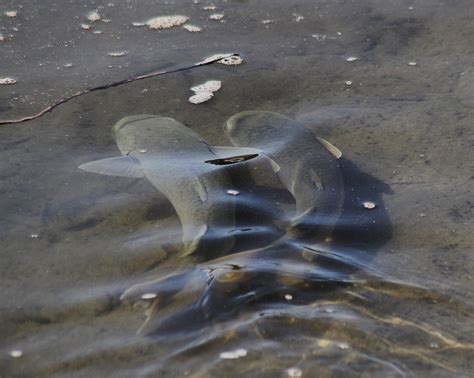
[
  {"x": 224, "y": 152},
  {"x": 124, "y": 166},
  {"x": 336, "y": 152}
]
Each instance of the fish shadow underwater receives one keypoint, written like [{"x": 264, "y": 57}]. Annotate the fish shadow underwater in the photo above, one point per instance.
[{"x": 265, "y": 268}]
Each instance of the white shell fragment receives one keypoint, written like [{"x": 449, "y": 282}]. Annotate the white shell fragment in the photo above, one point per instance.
[
  {"x": 192, "y": 28},
  {"x": 11, "y": 14},
  {"x": 294, "y": 372},
  {"x": 94, "y": 16},
  {"x": 208, "y": 86},
  {"x": 15, "y": 353},
  {"x": 233, "y": 192},
  {"x": 216, "y": 16},
  {"x": 232, "y": 355},
  {"x": 369, "y": 205},
  {"x": 166, "y": 22},
  {"x": 118, "y": 53},
  {"x": 351, "y": 59},
  {"x": 149, "y": 296},
  {"x": 7, "y": 81}
]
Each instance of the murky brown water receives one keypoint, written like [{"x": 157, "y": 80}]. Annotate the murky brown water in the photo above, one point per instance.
[{"x": 388, "y": 295}]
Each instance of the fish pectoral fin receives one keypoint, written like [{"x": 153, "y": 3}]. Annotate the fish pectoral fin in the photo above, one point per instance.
[
  {"x": 123, "y": 166},
  {"x": 225, "y": 152},
  {"x": 336, "y": 152}
]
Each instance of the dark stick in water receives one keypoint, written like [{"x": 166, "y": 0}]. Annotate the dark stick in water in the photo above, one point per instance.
[{"x": 111, "y": 85}]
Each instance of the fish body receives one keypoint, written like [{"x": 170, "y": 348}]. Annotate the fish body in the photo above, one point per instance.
[
  {"x": 306, "y": 165},
  {"x": 173, "y": 158}
]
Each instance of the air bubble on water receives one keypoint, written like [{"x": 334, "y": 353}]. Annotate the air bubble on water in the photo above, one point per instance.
[
  {"x": 232, "y": 355},
  {"x": 166, "y": 22},
  {"x": 192, "y": 28},
  {"x": 369, "y": 205},
  {"x": 7, "y": 81},
  {"x": 149, "y": 296},
  {"x": 15, "y": 353}
]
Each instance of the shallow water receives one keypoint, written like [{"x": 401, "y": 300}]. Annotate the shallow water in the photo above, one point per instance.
[{"x": 390, "y": 294}]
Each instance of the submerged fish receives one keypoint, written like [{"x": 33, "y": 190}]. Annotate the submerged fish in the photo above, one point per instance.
[
  {"x": 175, "y": 160},
  {"x": 306, "y": 165}
]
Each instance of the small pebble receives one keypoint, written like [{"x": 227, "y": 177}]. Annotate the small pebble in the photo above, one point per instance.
[
  {"x": 216, "y": 16},
  {"x": 369, "y": 205},
  {"x": 351, "y": 59},
  {"x": 15, "y": 353},
  {"x": 7, "y": 81},
  {"x": 294, "y": 372},
  {"x": 11, "y": 14},
  {"x": 232, "y": 355},
  {"x": 288, "y": 297},
  {"x": 149, "y": 296},
  {"x": 233, "y": 192}
]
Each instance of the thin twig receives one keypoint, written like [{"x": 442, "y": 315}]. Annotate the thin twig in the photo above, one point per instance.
[{"x": 111, "y": 85}]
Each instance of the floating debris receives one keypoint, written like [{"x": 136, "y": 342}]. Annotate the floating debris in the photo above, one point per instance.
[
  {"x": 348, "y": 82},
  {"x": 232, "y": 355},
  {"x": 369, "y": 205},
  {"x": 16, "y": 353},
  {"x": 233, "y": 192},
  {"x": 149, "y": 296},
  {"x": 137, "y": 24},
  {"x": 166, "y": 22},
  {"x": 351, "y": 59},
  {"x": 412, "y": 63},
  {"x": 7, "y": 81},
  {"x": 288, "y": 297},
  {"x": 85, "y": 26},
  {"x": 11, "y": 14},
  {"x": 294, "y": 372},
  {"x": 216, "y": 16},
  {"x": 192, "y": 28},
  {"x": 233, "y": 60},
  {"x": 94, "y": 16},
  {"x": 118, "y": 53}
]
